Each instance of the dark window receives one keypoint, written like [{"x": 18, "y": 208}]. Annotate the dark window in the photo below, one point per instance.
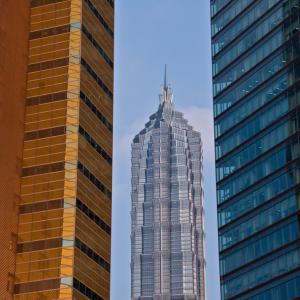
[
  {"x": 33, "y": 135},
  {"x": 97, "y": 78},
  {"x": 48, "y": 65},
  {"x": 93, "y": 143},
  {"x": 46, "y": 98},
  {"x": 41, "y": 206},
  {"x": 98, "y": 15},
  {"x": 90, "y": 214},
  {"x": 92, "y": 254},
  {"x": 36, "y": 286},
  {"x": 48, "y": 32},
  {"x": 94, "y": 180},
  {"x": 39, "y": 245},
  {"x": 56, "y": 167}
]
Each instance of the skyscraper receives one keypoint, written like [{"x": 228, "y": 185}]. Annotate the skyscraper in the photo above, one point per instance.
[
  {"x": 59, "y": 209},
  {"x": 256, "y": 51},
  {"x": 167, "y": 259}
]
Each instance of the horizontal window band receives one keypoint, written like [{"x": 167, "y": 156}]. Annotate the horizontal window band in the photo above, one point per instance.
[
  {"x": 36, "y": 3},
  {"x": 39, "y": 245},
  {"x": 37, "y": 286},
  {"x": 96, "y": 182},
  {"x": 48, "y": 32},
  {"x": 100, "y": 18},
  {"x": 97, "y": 46},
  {"x": 51, "y": 64},
  {"x": 86, "y": 291},
  {"x": 97, "y": 78},
  {"x": 40, "y": 134},
  {"x": 97, "y": 112},
  {"x": 93, "y": 216},
  {"x": 46, "y": 98},
  {"x": 42, "y": 169},
  {"x": 92, "y": 254},
  {"x": 41, "y": 206},
  {"x": 95, "y": 145}
]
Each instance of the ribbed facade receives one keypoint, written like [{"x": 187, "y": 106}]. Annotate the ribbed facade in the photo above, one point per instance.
[
  {"x": 167, "y": 259},
  {"x": 62, "y": 242},
  {"x": 256, "y": 71}
]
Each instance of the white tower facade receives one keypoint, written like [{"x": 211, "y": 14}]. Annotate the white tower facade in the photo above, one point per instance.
[{"x": 167, "y": 251}]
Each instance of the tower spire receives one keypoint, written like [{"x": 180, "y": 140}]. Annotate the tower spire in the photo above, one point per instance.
[
  {"x": 165, "y": 81},
  {"x": 166, "y": 95}
]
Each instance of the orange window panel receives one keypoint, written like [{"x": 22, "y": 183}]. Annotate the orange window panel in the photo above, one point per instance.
[
  {"x": 45, "y": 74},
  {"x": 39, "y": 255},
  {"x": 56, "y": 140},
  {"x": 43, "y": 114},
  {"x": 46, "y": 89},
  {"x": 64, "y": 45},
  {"x": 32, "y": 153},
  {"x": 40, "y": 235},
  {"x": 43, "y": 178},
  {"x": 38, "y": 275},
  {"x": 56, "y": 7},
  {"x": 41, "y": 187},
  {"x": 50, "y": 20},
  {"x": 34, "y": 109},
  {"x": 49, "y": 56},
  {"x": 44, "y": 82},
  {"x": 54, "y": 157},
  {"x": 49, "y": 41},
  {"x": 42, "y": 196},
  {"x": 54, "y": 294}
]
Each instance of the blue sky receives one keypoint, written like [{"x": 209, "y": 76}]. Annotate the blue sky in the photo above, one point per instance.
[{"x": 150, "y": 34}]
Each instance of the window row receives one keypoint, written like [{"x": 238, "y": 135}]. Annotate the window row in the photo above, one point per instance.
[
  {"x": 93, "y": 108},
  {"x": 97, "y": 46},
  {"x": 93, "y": 216},
  {"x": 285, "y": 290},
  {"x": 99, "y": 17},
  {"x": 252, "y": 199},
  {"x": 97, "y": 78},
  {"x": 248, "y": 40},
  {"x": 253, "y": 102},
  {"x": 258, "y": 171},
  {"x": 92, "y": 254},
  {"x": 259, "y": 247},
  {"x": 94, "y": 180},
  {"x": 217, "y": 5},
  {"x": 228, "y": 15},
  {"x": 83, "y": 289},
  {"x": 260, "y": 274},
  {"x": 259, "y": 122},
  {"x": 258, "y": 54},
  {"x": 94, "y": 144},
  {"x": 254, "y": 79},
  {"x": 261, "y": 220},
  {"x": 241, "y": 24}
]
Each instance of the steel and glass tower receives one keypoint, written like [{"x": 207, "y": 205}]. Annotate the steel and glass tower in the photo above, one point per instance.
[
  {"x": 256, "y": 71},
  {"x": 167, "y": 260}
]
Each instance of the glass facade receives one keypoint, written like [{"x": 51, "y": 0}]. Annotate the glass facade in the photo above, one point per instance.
[
  {"x": 256, "y": 67},
  {"x": 167, "y": 257}
]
